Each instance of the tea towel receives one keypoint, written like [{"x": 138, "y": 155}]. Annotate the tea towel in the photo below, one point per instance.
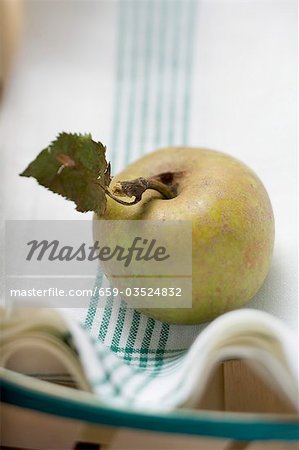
[
  {"x": 155, "y": 91},
  {"x": 152, "y": 100},
  {"x": 209, "y": 67}
]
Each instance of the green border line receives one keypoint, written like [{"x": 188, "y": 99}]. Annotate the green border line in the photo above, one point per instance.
[{"x": 178, "y": 423}]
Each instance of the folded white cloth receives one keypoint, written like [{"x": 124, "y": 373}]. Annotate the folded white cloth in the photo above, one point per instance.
[
  {"x": 141, "y": 75},
  {"x": 180, "y": 381}
]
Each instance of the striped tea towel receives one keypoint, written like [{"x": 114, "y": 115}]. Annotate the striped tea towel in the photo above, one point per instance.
[
  {"x": 151, "y": 109},
  {"x": 136, "y": 338},
  {"x": 181, "y": 381},
  {"x": 127, "y": 358}
]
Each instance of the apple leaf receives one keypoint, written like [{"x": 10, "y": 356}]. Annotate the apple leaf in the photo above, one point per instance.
[{"x": 74, "y": 166}]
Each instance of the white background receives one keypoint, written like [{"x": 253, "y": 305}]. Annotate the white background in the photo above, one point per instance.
[{"x": 243, "y": 102}]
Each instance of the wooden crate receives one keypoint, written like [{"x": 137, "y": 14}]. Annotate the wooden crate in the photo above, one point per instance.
[{"x": 234, "y": 394}]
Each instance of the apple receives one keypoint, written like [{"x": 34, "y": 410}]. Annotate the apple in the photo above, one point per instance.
[
  {"x": 232, "y": 224},
  {"x": 224, "y": 201}
]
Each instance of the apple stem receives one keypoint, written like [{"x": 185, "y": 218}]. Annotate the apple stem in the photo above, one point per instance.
[
  {"x": 118, "y": 200},
  {"x": 136, "y": 188},
  {"x": 167, "y": 191}
]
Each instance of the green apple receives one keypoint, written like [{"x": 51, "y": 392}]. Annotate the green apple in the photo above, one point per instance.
[
  {"x": 227, "y": 205},
  {"x": 232, "y": 225}
]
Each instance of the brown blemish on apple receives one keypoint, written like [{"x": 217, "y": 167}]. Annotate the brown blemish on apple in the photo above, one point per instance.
[{"x": 253, "y": 254}]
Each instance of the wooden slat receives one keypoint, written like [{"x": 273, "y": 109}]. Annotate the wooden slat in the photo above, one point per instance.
[
  {"x": 245, "y": 391},
  {"x": 213, "y": 398}
]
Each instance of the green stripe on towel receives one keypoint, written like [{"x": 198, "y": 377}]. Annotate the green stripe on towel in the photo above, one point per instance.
[{"x": 153, "y": 89}]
